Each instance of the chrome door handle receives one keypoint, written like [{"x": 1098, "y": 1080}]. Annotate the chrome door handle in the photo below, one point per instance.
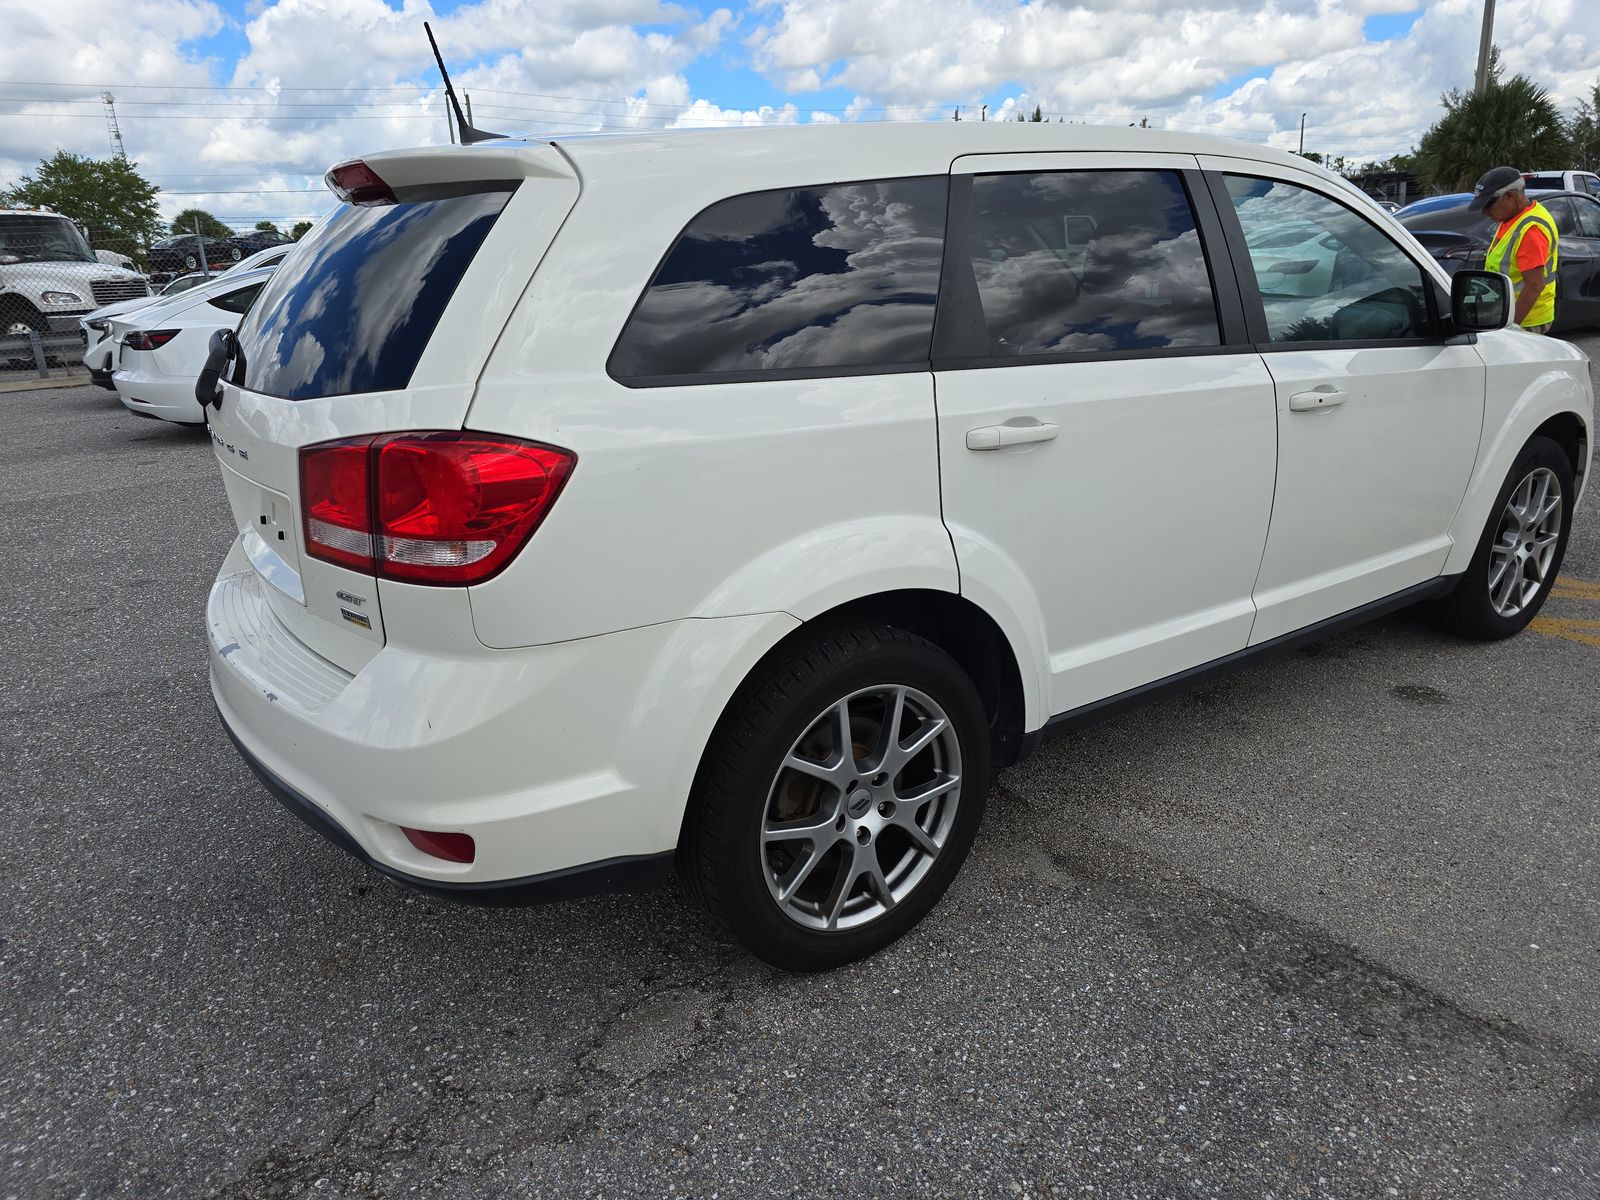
[
  {"x": 993, "y": 437},
  {"x": 1313, "y": 400}
]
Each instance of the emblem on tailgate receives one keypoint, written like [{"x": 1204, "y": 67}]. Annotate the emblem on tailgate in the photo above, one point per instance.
[{"x": 216, "y": 437}]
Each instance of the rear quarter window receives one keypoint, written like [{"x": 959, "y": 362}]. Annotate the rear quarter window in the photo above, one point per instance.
[
  {"x": 799, "y": 281},
  {"x": 354, "y": 307}
]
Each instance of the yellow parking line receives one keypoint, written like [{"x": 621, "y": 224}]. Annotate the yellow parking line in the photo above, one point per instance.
[
  {"x": 1575, "y": 589},
  {"x": 1586, "y": 632}
]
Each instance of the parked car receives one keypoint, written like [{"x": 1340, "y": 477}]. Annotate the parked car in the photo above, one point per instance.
[
  {"x": 181, "y": 252},
  {"x": 255, "y": 240},
  {"x": 1459, "y": 239},
  {"x": 1586, "y": 182},
  {"x": 160, "y": 350},
  {"x": 99, "y": 346},
  {"x": 49, "y": 277},
  {"x": 579, "y": 537}
]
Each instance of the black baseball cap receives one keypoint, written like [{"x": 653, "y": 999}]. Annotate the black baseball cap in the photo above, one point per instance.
[{"x": 1491, "y": 185}]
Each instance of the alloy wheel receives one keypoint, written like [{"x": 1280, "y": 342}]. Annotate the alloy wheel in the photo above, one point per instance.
[
  {"x": 861, "y": 807},
  {"x": 1524, "y": 547}
]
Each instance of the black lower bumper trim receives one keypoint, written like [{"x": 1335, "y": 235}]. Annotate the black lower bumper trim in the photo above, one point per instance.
[
  {"x": 631, "y": 873},
  {"x": 102, "y": 379}
]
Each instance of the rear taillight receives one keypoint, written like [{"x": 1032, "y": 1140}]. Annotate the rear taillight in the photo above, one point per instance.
[
  {"x": 446, "y": 508},
  {"x": 336, "y": 502},
  {"x": 149, "y": 339},
  {"x": 356, "y": 183}
]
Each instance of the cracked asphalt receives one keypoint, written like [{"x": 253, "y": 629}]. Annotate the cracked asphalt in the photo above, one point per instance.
[{"x": 1327, "y": 928}]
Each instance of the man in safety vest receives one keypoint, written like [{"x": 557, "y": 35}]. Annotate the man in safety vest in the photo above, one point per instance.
[{"x": 1525, "y": 246}]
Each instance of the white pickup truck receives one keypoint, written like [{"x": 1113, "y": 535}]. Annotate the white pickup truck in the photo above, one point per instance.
[
  {"x": 49, "y": 277},
  {"x": 1563, "y": 181}
]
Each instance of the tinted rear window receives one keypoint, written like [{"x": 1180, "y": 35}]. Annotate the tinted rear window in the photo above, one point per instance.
[
  {"x": 354, "y": 307},
  {"x": 1445, "y": 218},
  {"x": 809, "y": 280}
]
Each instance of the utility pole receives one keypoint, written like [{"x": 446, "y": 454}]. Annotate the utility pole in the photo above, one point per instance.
[
  {"x": 467, "y": 96},
  {"x": 1484, "y": 42},
  {"x": 200, "y": 244},
  {"x": 449, "y": 126},
  {"x": 984, "y": 115},
  {"x": 117, "y": 149},
  {"x": 1302, "y": 134}
]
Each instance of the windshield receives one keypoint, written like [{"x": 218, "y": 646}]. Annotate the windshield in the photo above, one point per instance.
[
  {"x": 42, "y": 239},
  {"x": 352, "y": 309}
]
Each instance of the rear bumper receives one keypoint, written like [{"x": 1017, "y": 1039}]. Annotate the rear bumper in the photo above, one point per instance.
[
  {"x": 165, "y": 396},
  {"x": 635, "y": 873},
  {"x": 568, "y": 764}
]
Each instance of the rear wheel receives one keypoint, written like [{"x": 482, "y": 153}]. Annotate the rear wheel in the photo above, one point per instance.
[
  {"x": 1521, "y": 549},
  {"x": 190, "y": 262},
  {"x": 839, "y": 803},
  {"x": 235, "y": 253}
]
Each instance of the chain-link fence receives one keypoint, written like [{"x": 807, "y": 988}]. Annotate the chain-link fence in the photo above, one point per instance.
[{"x": 53, "y": 274}]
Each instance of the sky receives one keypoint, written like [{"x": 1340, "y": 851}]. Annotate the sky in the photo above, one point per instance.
[{"x": 239, "y": 106}]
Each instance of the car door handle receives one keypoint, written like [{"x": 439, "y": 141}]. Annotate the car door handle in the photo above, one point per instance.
[
  {"x": 1311, "y": 401},
  {"x": 993, "y": 437}
]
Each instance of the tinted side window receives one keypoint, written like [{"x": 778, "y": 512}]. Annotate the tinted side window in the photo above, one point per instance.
[
  {"x": 808, "y": 279},
  {"x": 1593, "y": 185},
  {"x": 1324, "y": 273},
  {"x": 1082, "y": 262},
  {"x": 1560, "y": 209},
  {"x": 1588, "y": 217},
  {"x": 237, "y": 301}
]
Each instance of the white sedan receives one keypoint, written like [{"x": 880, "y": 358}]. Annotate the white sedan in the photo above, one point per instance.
[
  {"x": 160, "y": 349},
  {"x": 99, "y": 351}
]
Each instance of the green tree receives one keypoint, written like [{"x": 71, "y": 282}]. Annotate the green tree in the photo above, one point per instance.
[
  {"x": 301, "y": 228},
  {"x": 1510, "y": 123},
  {"x": 1038, "y": 115},
  {"x": 210, "y": 227},
  {"x": 107, "y": 196},
  {"x": 1584, "y": 130},
  {"x": 266, "y": 227}
]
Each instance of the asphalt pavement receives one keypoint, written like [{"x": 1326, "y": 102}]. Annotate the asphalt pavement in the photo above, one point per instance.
[{"x": 1326, "y": 928}]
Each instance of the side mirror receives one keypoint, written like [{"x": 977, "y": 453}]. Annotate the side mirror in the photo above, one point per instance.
[{"x": 1480, "y": 301}]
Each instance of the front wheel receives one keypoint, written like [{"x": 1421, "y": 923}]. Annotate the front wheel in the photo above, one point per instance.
[
  {"x": 841, "y": 798},
  {"x": 1521, "y": 549},
  {"x": 235, "y": 253}
]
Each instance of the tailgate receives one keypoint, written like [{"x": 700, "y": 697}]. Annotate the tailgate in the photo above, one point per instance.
[{"x": 379, "y": 321}]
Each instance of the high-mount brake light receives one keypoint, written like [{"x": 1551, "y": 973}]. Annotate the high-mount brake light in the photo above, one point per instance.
[
  {"x": 149, "y": 339},
  {"x": 356, "y": 183},
  {"x": 445, "y": 508}
]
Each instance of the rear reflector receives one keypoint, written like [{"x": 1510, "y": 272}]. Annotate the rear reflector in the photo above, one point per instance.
[
  {"x": 356, "y": 183},
  {"x": 447, "y": 508},
  {"x": 452, "y": 847}
]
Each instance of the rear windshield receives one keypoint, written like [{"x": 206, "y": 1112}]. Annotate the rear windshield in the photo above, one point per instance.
[
  {"x": 1444, "y": 218},
  {"x": 353, "y": 307}
]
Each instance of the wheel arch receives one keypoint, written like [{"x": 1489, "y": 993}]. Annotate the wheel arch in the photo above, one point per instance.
[
  {"x": 1555, "y": 404},
  {"x": 954, "y": 623}
]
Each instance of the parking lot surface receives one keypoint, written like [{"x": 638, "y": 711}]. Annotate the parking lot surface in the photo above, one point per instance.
[{"x": 1326, "y": 928}]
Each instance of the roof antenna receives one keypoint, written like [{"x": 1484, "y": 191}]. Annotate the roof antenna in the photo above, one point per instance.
[{"x": 468, "y": 133}]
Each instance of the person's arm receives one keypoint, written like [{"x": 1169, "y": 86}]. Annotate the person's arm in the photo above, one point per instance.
[{"x": 1532, "y": 285}]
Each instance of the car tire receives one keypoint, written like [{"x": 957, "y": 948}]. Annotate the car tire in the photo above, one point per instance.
[
  {"x": 1520, "y": 551},
  {"x": 885, "y": 831},
  {"x": 235, "y": 253},
  {"x": 191, "y": 263}
]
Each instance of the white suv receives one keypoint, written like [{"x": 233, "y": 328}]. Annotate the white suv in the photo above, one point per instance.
[{"x": 744, "y": 499}]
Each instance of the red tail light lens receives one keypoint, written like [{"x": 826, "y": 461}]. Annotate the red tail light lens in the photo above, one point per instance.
[
  {"x": 358, "y": 184},
  {"x": 444, "y": 508},
  {"x": 149, "y": 339},
  {"x": 335, "y": 502},
  {"x": 452, "y": 847}
]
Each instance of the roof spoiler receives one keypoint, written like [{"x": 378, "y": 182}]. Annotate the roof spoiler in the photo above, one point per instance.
[{"x": 468, "y": 134}]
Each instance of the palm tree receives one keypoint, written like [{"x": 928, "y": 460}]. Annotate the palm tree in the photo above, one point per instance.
[{"x": 1514, "y": 123}]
